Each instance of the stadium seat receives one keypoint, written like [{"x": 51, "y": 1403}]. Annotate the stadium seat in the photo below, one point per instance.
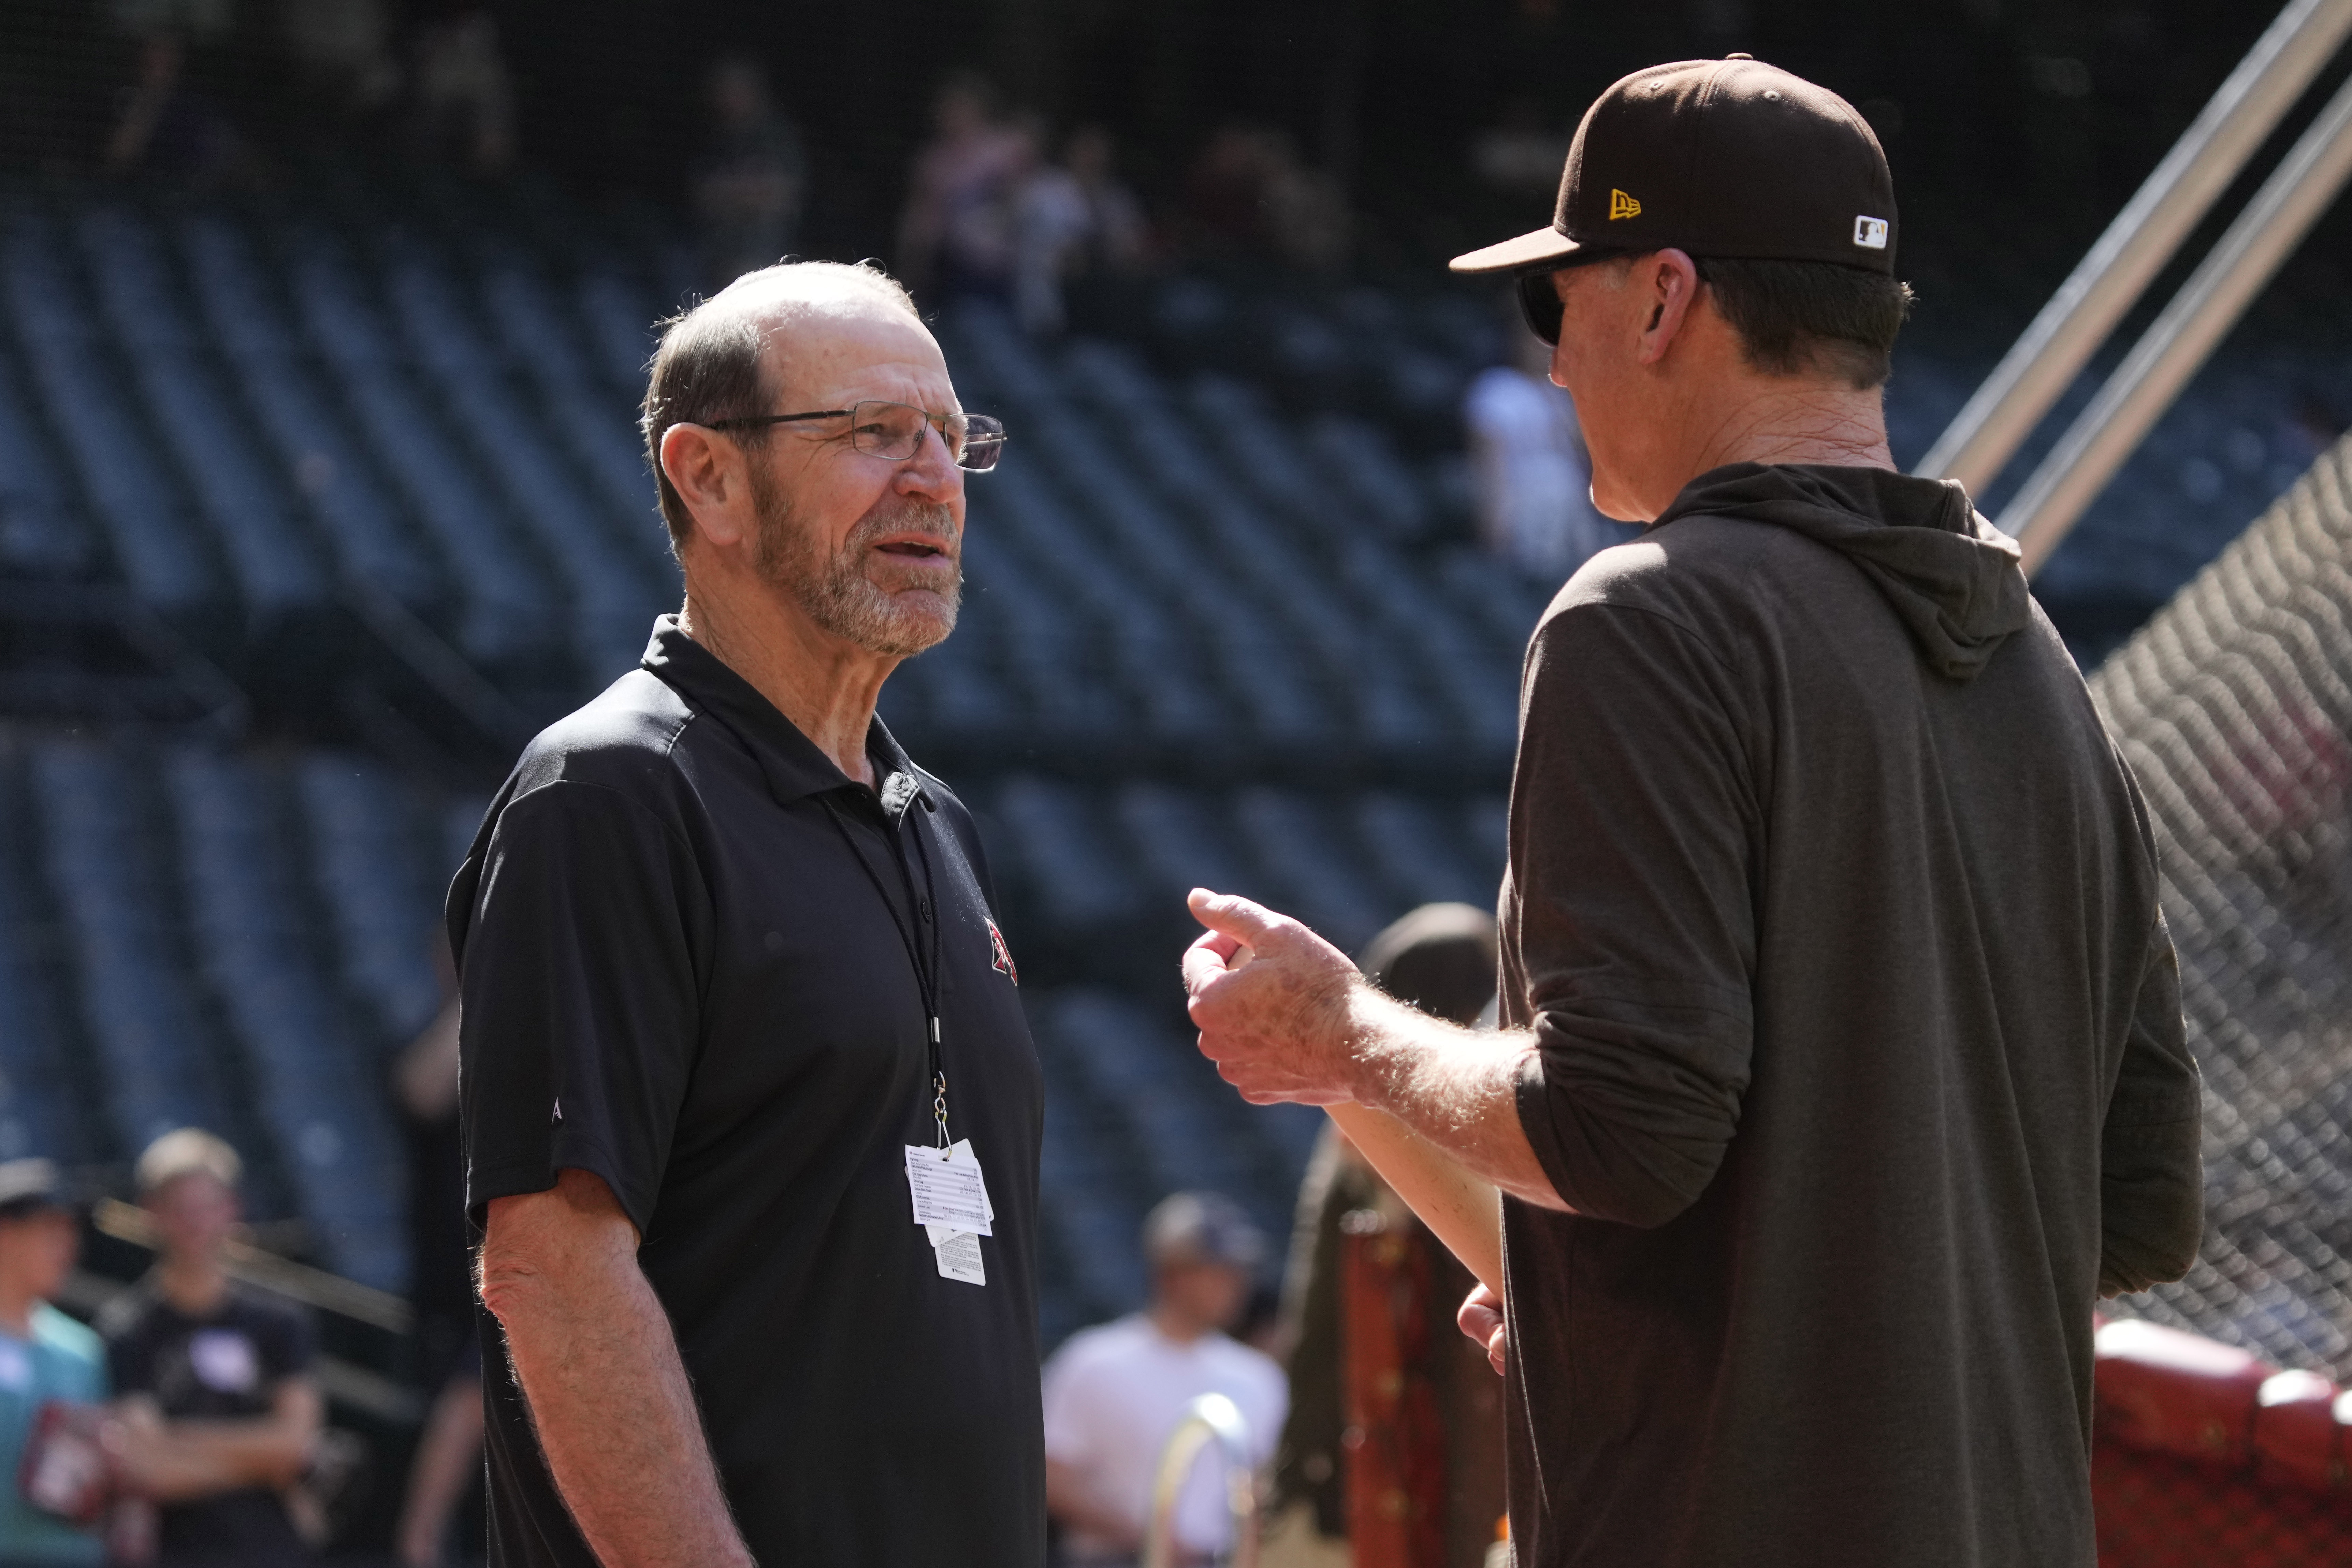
[
  {"x": 102, "y": 860},
  {"x": 155, "y": 542},
  {"x": 323, "y": 1096}
]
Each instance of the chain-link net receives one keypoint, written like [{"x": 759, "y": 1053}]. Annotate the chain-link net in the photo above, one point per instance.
[{"x": 2234, "y": 707}]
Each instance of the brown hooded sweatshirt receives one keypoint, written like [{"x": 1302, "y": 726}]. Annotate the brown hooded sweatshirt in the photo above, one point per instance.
[{"x": 1860, "y": 1057}]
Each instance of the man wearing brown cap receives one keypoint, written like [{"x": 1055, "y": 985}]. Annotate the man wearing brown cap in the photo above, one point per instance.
[{"x": 1843, "y": 1068}]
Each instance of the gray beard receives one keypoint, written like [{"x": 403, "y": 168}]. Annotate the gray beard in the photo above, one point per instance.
[{"x": 834, "y": 591}]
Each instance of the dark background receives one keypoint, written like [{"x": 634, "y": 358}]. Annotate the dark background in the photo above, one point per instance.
[{"x": 2015, "y": 131}]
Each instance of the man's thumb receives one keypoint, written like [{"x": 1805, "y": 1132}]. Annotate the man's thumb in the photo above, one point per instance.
[{"x": 1232, "y": 915}]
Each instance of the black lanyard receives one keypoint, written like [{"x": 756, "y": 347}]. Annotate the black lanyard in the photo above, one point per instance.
[{"x": 926, "y": 976}]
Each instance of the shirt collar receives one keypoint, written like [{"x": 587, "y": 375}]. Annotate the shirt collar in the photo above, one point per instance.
[{"x": 791, "y": 764}]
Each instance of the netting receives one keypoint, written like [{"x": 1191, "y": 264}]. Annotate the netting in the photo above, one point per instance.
[{"x": 2234, "y": 707}]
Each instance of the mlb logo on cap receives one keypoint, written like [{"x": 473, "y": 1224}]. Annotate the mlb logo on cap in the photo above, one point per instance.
[{"x": 1870, "y": 233}]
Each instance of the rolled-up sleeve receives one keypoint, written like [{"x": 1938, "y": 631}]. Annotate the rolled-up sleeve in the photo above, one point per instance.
[
  {"x": 2151, "y": 1175},
  {"x": 1634, "y": 830}
]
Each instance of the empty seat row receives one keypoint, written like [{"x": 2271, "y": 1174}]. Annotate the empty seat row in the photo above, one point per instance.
[
  {"x": 1085, "y": 857},
  {"x": 240, "y": 940}
]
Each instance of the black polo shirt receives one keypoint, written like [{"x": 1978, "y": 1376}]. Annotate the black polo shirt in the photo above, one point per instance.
[{"x": 679, "y": 972}]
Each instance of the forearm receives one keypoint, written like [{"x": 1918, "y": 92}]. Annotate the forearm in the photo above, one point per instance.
[
  {"x": 181, "y": 1460},
  {"x": 617, "y": 1421},
  {"x": 1455, "y": 1089},
  {"x": 1072, "y": 1501},
  {"x": 1458, "y": 1207},
  {"x": 180, "y": 1466},
  {"x": 608, "y": 1395},
  {"x": 447, "y": 1458}
]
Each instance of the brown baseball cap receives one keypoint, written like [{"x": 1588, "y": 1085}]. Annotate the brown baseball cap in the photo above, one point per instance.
[{"x": 1730, "y": 158}]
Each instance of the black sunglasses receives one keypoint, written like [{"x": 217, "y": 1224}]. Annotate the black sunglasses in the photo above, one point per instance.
[{"x": 1541, "y": 304}]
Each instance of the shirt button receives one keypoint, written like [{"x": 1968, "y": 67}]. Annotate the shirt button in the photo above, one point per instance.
[{"x": 923, "y": 909}]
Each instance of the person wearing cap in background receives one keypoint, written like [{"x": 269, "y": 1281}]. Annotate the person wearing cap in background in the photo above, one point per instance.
[
  {"x": 1115, "y": 1393},
  {"x": 212, "y": 1379},
  {"x": 45, "y": 1357},
  {"x": 1842, "y": 1065}
]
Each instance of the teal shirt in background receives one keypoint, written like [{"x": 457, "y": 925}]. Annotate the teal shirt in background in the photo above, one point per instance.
[{"x": 63, "y": 1360}]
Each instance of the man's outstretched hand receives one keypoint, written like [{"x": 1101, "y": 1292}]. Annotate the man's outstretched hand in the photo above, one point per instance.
[
  {"x": 1271, "y": 1000},
  {"x": 1481, "y": 1318}
]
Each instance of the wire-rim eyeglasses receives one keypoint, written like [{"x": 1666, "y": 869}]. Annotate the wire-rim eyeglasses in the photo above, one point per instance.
[{"x": 894, "y": 431}]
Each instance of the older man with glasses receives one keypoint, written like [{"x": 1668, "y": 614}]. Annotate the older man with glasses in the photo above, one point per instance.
[{"x": 750, "y": 1109}]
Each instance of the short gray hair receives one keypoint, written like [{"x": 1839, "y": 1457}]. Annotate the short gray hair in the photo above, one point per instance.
[{"x": 707, "y": 366}]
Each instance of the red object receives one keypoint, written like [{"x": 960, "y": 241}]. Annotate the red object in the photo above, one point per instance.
[
  {"x": 1394, "y": 1443},
  {"x": 2202, "y": 1455},
  {"x": 2299, "y": 1441},
  {"x": 2164, "y": 1392},
  {"x": 66, "y": 1470}
]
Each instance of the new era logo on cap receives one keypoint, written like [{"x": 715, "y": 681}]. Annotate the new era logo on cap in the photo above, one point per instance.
[
  {"x": 1870, "y": 233},
  {"x": 1623, "y": 205}
]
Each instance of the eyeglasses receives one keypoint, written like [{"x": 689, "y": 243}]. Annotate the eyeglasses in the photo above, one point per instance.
[{"x": 894, "y": 431}]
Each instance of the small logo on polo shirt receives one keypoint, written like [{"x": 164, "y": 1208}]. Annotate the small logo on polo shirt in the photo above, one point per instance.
[
  {"x": 1000, "y": 955},
  {"x": 224, "y": 1361},
  {"x": 1870, "y": 233},
  {"x": 1623, "y": 205}
]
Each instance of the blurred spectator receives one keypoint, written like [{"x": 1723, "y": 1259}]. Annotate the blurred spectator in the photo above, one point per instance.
[
  {"x": 448, "y": 1454},
  {"x": 163, "y": 126},
  {"x": 1440, "y": 958},
  {"x": 1070, "y": 221},
  {"x": 1524, "y": 153},
  {"x": 1249, "y": 197},
  {"x": 1528, "y": 466},
  {"x": 755, "y": 176},
  {"x": 341, "y": 52},
  {"x": 1114, "y": 1394},
  {"x": 463, "y": 106},
  {"x": 955, "y": 234},
  {"x": 213, "y": 1380},
  {"x": 44, "y": 1356}
]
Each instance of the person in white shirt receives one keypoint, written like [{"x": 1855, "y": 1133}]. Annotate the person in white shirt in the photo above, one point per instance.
[
  {"x": 1528, "y": 466},
  {"x": 1115, "y": 1393}
]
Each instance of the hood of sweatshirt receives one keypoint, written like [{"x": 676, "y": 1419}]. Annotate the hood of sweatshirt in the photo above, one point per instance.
[{"x": 1952, "y": 576}]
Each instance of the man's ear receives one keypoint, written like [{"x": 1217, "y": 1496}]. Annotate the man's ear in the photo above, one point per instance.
[
  {"x": 1668, "y": 282},
  {"x": 709, "y": 472}
]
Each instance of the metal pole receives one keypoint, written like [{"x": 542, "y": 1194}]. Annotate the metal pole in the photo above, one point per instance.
[
  {"x": 1211, "y": 1417},
  {"x": 2043, "y": 363},
  {"x": 2204, "y": 310}
]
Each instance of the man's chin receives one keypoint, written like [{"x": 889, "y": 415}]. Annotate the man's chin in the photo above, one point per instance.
[{"x": 919, "y": 618}]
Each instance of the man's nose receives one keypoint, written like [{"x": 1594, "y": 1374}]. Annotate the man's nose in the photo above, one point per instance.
[{"x": 931, "y": 472}]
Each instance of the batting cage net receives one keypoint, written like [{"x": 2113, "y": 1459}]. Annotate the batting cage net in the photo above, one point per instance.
[{"x": 2234, "y": 707}]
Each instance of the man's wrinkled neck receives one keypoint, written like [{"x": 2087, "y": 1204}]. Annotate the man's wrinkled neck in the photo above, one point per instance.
[
  {"x": 1776, "y": 420},
  {"x": 1796, "y": 422},
  {"x": 827, "y": 686}
]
